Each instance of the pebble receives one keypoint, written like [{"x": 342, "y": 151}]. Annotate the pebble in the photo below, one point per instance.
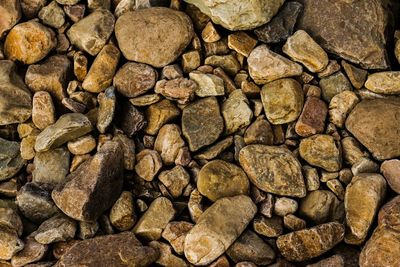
[
  {"x": 10, "y": 159},
  {"x": 10, "y": 220},
  {"x": 333, "y": 85},
  {"x": 143, "y": 40},
  {"x": 29, "y": 42},
  {"x": 167, "y": 258},
  {"x": 273, "y": 169},
  {"x": 228, "y": 63},
  {"x": 57, "y": 228},
  {"x": 80, "y": 65},
  {"x": 10, "y": 244},
  {"x": 266, "y": 66},
  {"x": 32, "y": 252},
  {"x": 181, "y": 90},
  {"x": 158, "y": 114},
  {"x": 284, "y": 206},
  {"x": 334, "y": 261},
  {"x": 52, "y": 15},
  {"x": 218, "y": 228},
  {"x": 175, "y": 234},
  {"x": 88, "y": 229},
  {"x": 75, "y": 11},
  {"x": 215, "y": 150},
  {"x": 336, "y": 187},
  {"x": 283, "y": 100},
  {"x": 386, "y": 82},
  {"x": 356, "y": 75},
  {"x": 122, "y": 213},
  {"x": 209, "y": 34},
  {"x": 148, "y": 163},
  {"x": 340, "y": 106},
  {"x": 11, "y": 14},
  {"x": 294, "y": 223},
  {"x": 43, "y": 110},
  {"x": 269, "y": 227},
  {"x": 312, "y": 118},
  {"x": 259, "y": 132},
  {"x": 332, "y": 67},
  {"x": 107, "y": 105},
  {"x": 241, "y": 42},
  {"x": 82, "y": 145},
  {"x": 236, "y": 112},
  {"x": 208, "y": 84},
  {"x": 391, "y": 171},
  {"x": 364, "y": 165},
  {"x": 175, "y": 180}
]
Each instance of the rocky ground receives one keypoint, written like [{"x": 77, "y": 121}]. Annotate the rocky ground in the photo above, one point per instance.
[{"x": 199, "y": 133}]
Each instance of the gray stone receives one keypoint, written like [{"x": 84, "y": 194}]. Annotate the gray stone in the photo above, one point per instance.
[
  {"x": 57, "y": 228},
  {"x": 10, "y": 159}
]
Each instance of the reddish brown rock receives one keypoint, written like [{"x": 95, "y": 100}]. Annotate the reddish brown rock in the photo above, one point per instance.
[
  {"x": 312, "y": 118},
  {"x": 180, "y": 89}
]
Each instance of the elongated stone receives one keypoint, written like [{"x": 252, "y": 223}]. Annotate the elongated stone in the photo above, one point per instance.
[{"x": 386, "y": 82}]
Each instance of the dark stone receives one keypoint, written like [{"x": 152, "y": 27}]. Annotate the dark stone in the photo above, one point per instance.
[{"x": 131, "y": 120}]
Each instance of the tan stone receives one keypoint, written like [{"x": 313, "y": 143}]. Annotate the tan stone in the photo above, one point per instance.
[
  {"x": 391, "y": 171},
  {"x": 43, "y": 111},
  {"x": 122, "y": 213},
  {"x": 269, "y": 227},
  {"x": 145, "y": 100},
  {"x": 181, "y": 89},
  {"x": 107, "y": 104},
  {"x": 241, "y": 42},
  {"x": 167, "y": 258},
  {"x": 148, "y": 164},
  {"x": 33, "y": 251},
  {"x": 175, "y": 180},
  {"x": 259, "y": 132},
  {"x": 54, "y": 229},
  {"x": 158, "y": 114},
  {"x": 11, "y": 14},
  {"x": 236, "y": 112},
  {"x": 228, "y": 63},
  {"x": 27, "y": 147},
  {"x": 340, "y": 106},
  {"x": 332, "y": 67},
  {"x": 294, "y": 223},
  {"x": 82, "y": 145},
  {"x": 52, "y": 15},
  {"x": 208, "y": 84},
  {"x": 356, "y": 75},
  {"x": 215, "y": 150},
  {"x": 386, "y": 82},
  {"x": 80, "y": 65},
  {"x": 175, "y": 234},
  {"x": 10, "y": 244}
]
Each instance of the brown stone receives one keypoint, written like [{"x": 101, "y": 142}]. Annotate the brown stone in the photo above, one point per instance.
[
  {"x": 43, "y": 111},
  {"x": 333, "y": 85},
  {"x": 269, "y": 227},
  {"x": 175, "y": 180},
  {"x": 82, "y": 145},
  {"x": 107, "y": 104},
  {"x": 158, "y": 114},
  {"x": 340, "y": 106},
  {"x": 293, "y": 222},
  {"x": 386, "y": 82},
  {"x": 130, "y": 119},
  {"x": 148, "y": 164},
  {"x": 75, "y": 11},
  {"x": 236, "y": 112},
  {"x": 391, "y": 171},
  {"x": 209, "y": 34},
  {"x": 11, "y": 14},
  {"x": 52, "y": 15},
  {"x": 145, "y": 100},
  {"x": 312, "y": 118},
  {"x": 259, "y": 132},
  {"x": 80, "y": 65},
  {"x": 168, "y": 143},
  {"x": 241, "y": 42},
  {"x": 181, "y": 89},
  {"x": 54, "y": 229},
  {"x": 175, "y": 234},
  {"x": 10, "y": 244},
  {"x": 33, "y": 251},
  {"x": 228, "y": 63},
  {"x": 389, "y": 214},
  {"x": 10, "y": 159},
  {"x": 334, "y": 261},
  {"x": 213, "y": 151},
  {"x": 356, "y": 75},
  {"x": 167, "y": 258},
  {"x": 122, "y": 213}
]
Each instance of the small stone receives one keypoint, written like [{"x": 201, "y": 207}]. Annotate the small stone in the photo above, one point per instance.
[
  {"x": 333, "y": 85},
  {"x": 283, "y": 100},
  {"x": 91, "y": 33},
  {"x": 33, "y": 251},
  {"x": 145, "y": 100},
  {"x": 269, "y": 227},
  {"x": 311, "y": 178},
  {"x": 302, "y": 48},
  {"x": 142, "y": 39},
  {"x": 250, "y": 89},
  {"x": 9, "y": 188},
  {"x": 99, "y": 4},
  {"x": 80, "y": 65},
  {"x": 10, "y": 220},
  {"x": 208, "y": 84},
  {"x": 128, "y": 148},
  {"x": 273, "y": 169},
  {"x": 259, "y": 132},
  {"x": 352, "y": 150},
  {"x": 122, "y": 213},
  {"x": 391, "y": 171},
  {"x": 11, "y": 14},
  {"x": 68, "y": 127},
  {"x": 30, "y": 8},
  {"x": 181, "y": 89},
  {"x": 10, "y": 159},
  {"x": 171, "y": 72},
  {"x": 57, "y": 228},
  {"x": 148, "y": 164},
  {"x": 167, "y": 258},
  {"x": 107, "y": 105},
  {"x": 334, "y": 261},
  {"x": 217, "y": 229},
  {"x": 87, "y": 193},
  {"x": 356, "y": 75},
  {"x": 386, "y": 82},
  {"x": 242, "y": 43},
  {"x": 332, "y": 67},
  {"x": 158, "y": 114},
  {"x": 363, "y": 197},
  {"x": 134, "y": 79},
  {"x": 52, "y": 15},
  {"x": 43, "y": 111},
  {"x": 75, "y": 12},
  {"x": 312, "y": 117},
  {"x": 82, "y": 145},
  {"x": 130, "y": 119},
  {"x": 228, "y": 63},
  {"x": 51, "y": 167},
  {"x": 198, "y": 131},
  {"x": 336, "y": 187},
  {"x": 175, "y": 180},
  {"x": 364, "y": 165},
  {"x": 10, "y": 244},
  {"x": 322, "y": 151},
  {"x": 152, "y": 223},
  {"x": 175, "y": 234},
  {"x": 340, "y": 106},
  {"x": 284, "y": 206},
  {"x": 216, "y": 48},
  {"x": 311, "y": 242},
  {"x": 236, "y": 112},
  {"x": 29, "y": 42},
  {"x": 266, "y": 206},
  {"x": 209, "y": 34},
  {"x": 266, "y": 66},
  {"x": 293, "y": 223}
]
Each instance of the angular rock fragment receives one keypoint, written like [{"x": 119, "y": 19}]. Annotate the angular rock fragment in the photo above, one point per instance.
[
  {"x": 269, "y": 227},
  {"x": 208, "y": 84},
  {"x": 167, "y": 258},
  {"x": 312, "y": 118},
  {"x": 10, "y": 159},
  {"x": 242, "y": 43},
  {"x": 168, "y": 143},
  {"x": 107, "y": 105},
  {"x": 43, "y": 111},
  {"x": 130, "y": 119},
  {"x": 340, "y": 106},
  {"x": 148, "y": 164},
  {"x": 175, "y": 180},
  {"x": 33, "y": 251},
  {"x": 181, "y": 89},
  {"x": 228, "y": 63},
  {"x": 356, "y": 75},
  {"x": 122, "y": 214},
  {"x": 175, "y": 234},
  {"x": 236, "y": 112},
  {"x": 52, "y": 15},
  {"x": 259, "y": 132},
  {"x": 57, "y": 228}
]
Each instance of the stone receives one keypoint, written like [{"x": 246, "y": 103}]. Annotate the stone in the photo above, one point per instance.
[
  {"x": 30, "y": 8},
  {"x": 273, "y": 169},
  {"x": 175, "y": 234},
  {"x": 91, "y": 33},
  {"x": 128, "y": 148},
  {"x": 35, "y": 203},
  {"x": 386, "y": 82},
  {"x": 356, "y": 75},
  {"x": 148, "y": 163},
  {"x": 51, "y": 167},
  {"x": 364, "y": 165},
  {"x": 215, "y": 150},
  {"x": 82, "y": 145},
  {"x": 259, "y": 132},
  {"x": 168, "y": 143},
  {"x": 250, "y": 247},
  {"x": 33, "y": 251},
  {"x": 175, "y": 180},
  {"x": 241, "y": 42},
  {"x": 340, "y": 106},
  {"x": 11, "y": 14},
  {"x": 209, "y": 34},
  {"x": 218, "y": 179},
  {"x": 333, "y": 85},
  {"x": 217, "y": 228},
  {"x": 10, "y": 220},
  {"x": 102, "y": 71},
  {"x": 391, "y": 171},
  {"x": 75, "y": 12},
  {"x": 281, "y": 26},
  {"x": 152, "y": 223},
  {"x": 322, "y": 151},
  {"x": 311, "y": 177},
  {"x": 99, "y": 4},
  {"x": 158, "y": 114},
  {"x": 43, "y": 111},
  {"x": 10, "y": 159},
  {"x": 27, "y": 147},
  {"x": 266, "y": 66},
  {"x": 171, "y": 72},
  {"x": 29, "y": 42},
  {"x": 363, "y": 198},
  {"x": 312, "y": 118},
  {"x": 336, "y": 187},
  {"x": 130, "y": 119},
  {"x": 57, "y": 228},
  {"x": 284, "y": 206},
  {"x": 107, "y": 105},
  {"x": 122, "y": 213},
  {"x": 198, "y": 131},
  {"x": 15, "y": 97},
  {"x": 228, "y": 63},
  {"x": 269, "y": 227},
  {"x": 145, "y": 100},
  {"x": 352, "y": 150},
  {"x": 293, "y": 222},
  {"x": 134, "y": 79},
  {"x": 181, "y": 90},
  {"x": 167, "y": 258},
  {"x": 10, "y": 244},
  {"x": 334, "y": 261},
  {"x": 52, "y": 15},
  {"x": 110, "y": 250},
  {"x": 236, "y": 112},
  {"x": 73, "y": 105},
  {"x": 67, "y": 2},
  {"x": 142, "y": 39},
  {"x": 283, "y": 100},
  {"x": 208, "y": 84},
  {"x": 190, "y": 61},
  {"x": 80, "y": 65},
  {"x": 68, "y": 127},
  {"x": 332, "y": 67},
  {"x": 311, "y": 242},
  {"x": 87, "y": 193},
  {"x": 50, "y": 76},
  {"x": 302, "y": 48},
  {"x": 375, "y": 123},
  {"x": 348, "y": 33},
  {"x": 241, "y": 15}
]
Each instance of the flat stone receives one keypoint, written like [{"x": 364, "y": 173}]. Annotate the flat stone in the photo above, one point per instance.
[
  {"x": 91, "y": 33},
  {"x": 269, "y": 227},
  {"x": 10, "y": 159},
  {"x": 181, "y": 90},
  {"x": 15, "y": 97},
  {"x": 259, "y": 132},
  {"x": 202, "y": 123},
  {"x": 130, "y": 119},
  {"x": 68, "y": 127},
  {"x": 10, "y": 244},
  {"x": 242, "y": 43},
  {"x": 175, "y": 180},
  {"x": 321, "y": 150},
  {"x": 391, "y": 171},
  {"x": 158, "y": 114},
  {"x": 375, "y": 123},
  {"x": 340, "y": 106},
  {"x": 208, "y": 84},
  {"x": 312, "y": 118},
  {"x": 175, "y": 233},
  {"x": 107, "y": 105},
  {"x": 168, "y": 143},
  {"x": 241, "y": 15},
  {"x": 11, "y": 14},
  {"x": 228, "y": 63},
  {"x": 359, "y": 39},
  {"x": 311, "y": 242},
  {"x": 386, "y": 82},
  {"x": 356, "y": 75},
  {"x": 122, "y": 213},
  {"x": 87, "y": 192},
  {"x": 218, "y": 228},
  {"x": 218, "y": 179},
  {"x": 43, "y": 111},
  {"x": 333, "y": 85},
  {"x": 167, "y": 258},
  {"x": 57, "y": 228},
  {"x": 142, "y": 39},
  {"x": 282, "y": 100},
  {"x": 117, "y": 250},
  {"x": 266, "y": 66},
  {"x": 29, "y": 42},
  {"x": 145, "y": 100},
  {"x": 148, "y": 164},
  {"x": 334, "y": 261},
  {"x": 33, "y": 251},
  {"x": 52, "y": 15},
  {"x": 215, "y": 150}
]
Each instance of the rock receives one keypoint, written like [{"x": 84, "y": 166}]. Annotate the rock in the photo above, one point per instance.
[
  {"x": 29, "y": 42},
  {"x": 142, "y": 39},
  {"x": 348, "y": 33},
  {"x": 122, "y": 214},
  {"x": 332, "y": 67},
  {"x": 311, "y": 242},
  {"x": 269, "y": 227},
  {"x": 152, "y": 223},
  {"x": 10, "y": 159},
  {"x": 208, "y": 84},
  {"x": 15, "y": 97},
  {"x": 158, "y": 114},
  {"x": 148, "y": 164},
  {"x": 102, "y": 71},
  {"x": 190, "y": 61},
  {"x": 217, "y": 229},
  {"x": 242, "y": 43},
  {"x": 215, "y": 150},
  {"x": 168, "y": 143},
  {"x": 145, "y": 100},
  {"x": 391, "y": 171},
  {"x": 364, "y": 165},
  {"x": 10, "y": 244},
  {"x": 181, "y": 89},
  {"x": 334, "y": 261},
  {"x": 175, "y": 234},
  {"x": 356, "y": 75},
  {"x": 91, "y": 33},
  {"x": 333, "y": 85},
  {"x": 171, "y": 72},
  {"x": 236, "y": 112},
  {"x": 10, "y": 220},
  {"x": 51, "y": 167},
  {"x": 375, "y": 123},
  {"x": 209, "y": 34},
  {"x": 11, "y": 14},
  {"x": 33, "y": 251},
  {"x": 175, "y": 180},
  {"x": 312, "y": 117},
  {"x": 340, "y": 106},
  {"x": 284, "y": 206},
  {"x": 283, "y": 100},
  {"x": 250, "y": 247},
  {"x": 241, "y": 15},
  {"x": 363, "y": 197},
  {"x": 30, "y": 8},
  {"x": 352, "y": 150},
  {"x": 293, "y": 223},
  {"x": 68, "y": 127},
  {"x": 130, "y": 119},
  {"x": 266, "y": 66},
  {"x": 75, "y": 12},
  {"x": 118, "y": 250},
  {"x": 389, "y": 214},
  {"x": 259, "y": 132},
  {"x": 52, "y": 15},
  {"x": 281, "y": 26},
  {"x": 218, "y": 179},
  {"x": 128, "y": 148},
  {"x": 107, "y": 105},
  {"x": 167, "y": 258},
  {"x": 386, "y": 82},
  {"x": 57, "y": 228},
  {"x": 228, "y": 63},
  {"x": 321, "y": 150},
  {"x": 87, "y": 192},
  {"x": 43, "y": 111},
  {"x": 198, "y": 131},
  {"x": 273, "y": 169},
  {"x": 82, "y": 145}
]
